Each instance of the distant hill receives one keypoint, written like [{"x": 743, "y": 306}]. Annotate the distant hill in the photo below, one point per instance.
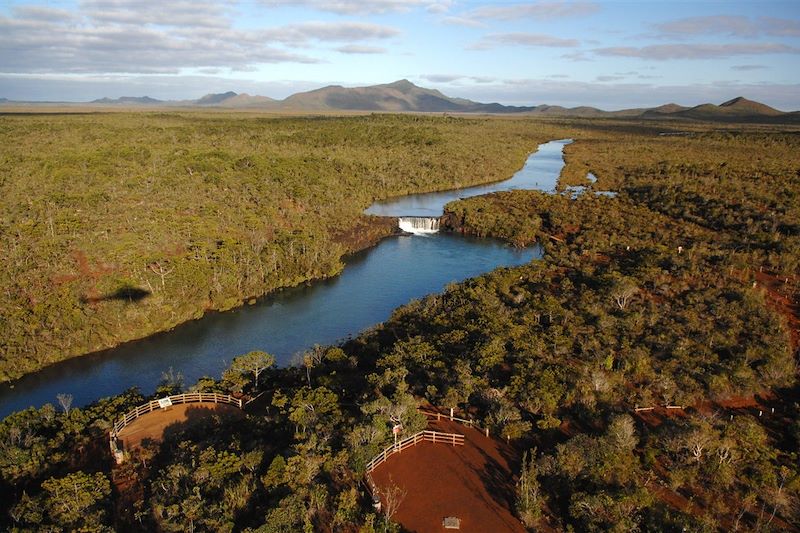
[
  {"x": 402, "y": 96},
  {"x": 743, "y": 106},
  {"x": 212, "y": 99},
  {"x": 245, "y": 100},
  {"x": 669, "y": 108},
  {"x": 582, "y": 111},
  {"x": 739, "y": 109},
  {"x": 128, "y": 100}
]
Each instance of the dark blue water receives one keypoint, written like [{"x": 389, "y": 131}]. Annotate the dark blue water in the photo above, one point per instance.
[
  {"x": 373, "y": 283},
  {"x": 541, "y": 171}
]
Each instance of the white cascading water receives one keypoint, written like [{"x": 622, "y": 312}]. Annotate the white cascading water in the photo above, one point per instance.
[{"x": 419, "y": 225}]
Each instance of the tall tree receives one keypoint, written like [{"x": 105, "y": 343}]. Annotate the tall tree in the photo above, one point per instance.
[{"x": 247, "y": 366}]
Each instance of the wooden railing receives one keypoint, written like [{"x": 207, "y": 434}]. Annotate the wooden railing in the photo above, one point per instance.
[
  {"x": 189, "y": 397},
  {"x": 427, "y": 435},
  {"x": 469, "y": 423},
  {"x": 667, "y": 407}
]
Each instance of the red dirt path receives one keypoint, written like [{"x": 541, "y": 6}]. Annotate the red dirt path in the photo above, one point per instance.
[
  {"x": 474, "y": 482},
  {"x": 783, "y": 297},
  {"x": 152, "y": 425}
]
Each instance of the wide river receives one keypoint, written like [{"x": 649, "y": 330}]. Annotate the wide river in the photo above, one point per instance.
[{"x": 373, "y": 283}]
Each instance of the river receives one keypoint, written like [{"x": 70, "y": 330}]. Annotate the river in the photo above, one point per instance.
[
  {"x": 373, "y": 283},
  {"x": 541, "y": 171}
]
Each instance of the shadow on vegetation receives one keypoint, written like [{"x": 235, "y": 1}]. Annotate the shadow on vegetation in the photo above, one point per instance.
[
  {"x": 127, "y": 293},
  {"x": 199, "y": 419}
]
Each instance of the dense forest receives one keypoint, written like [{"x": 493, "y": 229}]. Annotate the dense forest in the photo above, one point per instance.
[
  {"x": 117, "y": 226},
  {"x": 681, "y": 290}
]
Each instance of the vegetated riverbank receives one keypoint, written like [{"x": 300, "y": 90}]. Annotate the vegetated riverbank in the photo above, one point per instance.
[
  {"x": 554, "y": 356},
  {"x": 365, "y": 293},
  {"x": 118, "y": 226},
  {"x": 285, "y": 323},
  {"x": 470, "y": 220},
  {"x": 367, "y": 232},
  {"x": 540, "y": 172}
]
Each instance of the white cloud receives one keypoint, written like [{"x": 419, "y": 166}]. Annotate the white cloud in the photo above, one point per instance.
[
  {"x": 494, "y": 40},
  {"x": 147, "y": 36},
  {"x": 440, "y": 7},
  {"x": 360, "y": 49},
  {"x": 576, "y": 56},
  {"x": 748, "y": 67},
  {"x": 43, "y": 13},
  {"x": 41, "y": 46},
  {"x": 365, "y": 7},
  {"x": 329, "y": 31},
  {"x": 191, "y": 13},
  {"x": 662, "y": 52},
  {"x": 463, "y": 21},
  {"x": 781, "y": 27},
  {"x": 535, "y": 10},
  {"x": 718, "y": 24},
  {"x": 734, "y": 26},
  {"x": 441, "y": 78},
  {"x": 451, "y": 78},
  {"x": 542, "y": 11}
]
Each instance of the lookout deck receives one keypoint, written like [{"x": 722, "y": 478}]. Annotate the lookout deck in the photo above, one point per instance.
[
  {"x": 153, "y": 424},
  {"x": 473, "y": 482}
]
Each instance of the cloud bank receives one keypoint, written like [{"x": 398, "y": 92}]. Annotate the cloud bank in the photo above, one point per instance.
[
  {"x": 154, "y": 37},
  {"x": 663, "y": 52}
]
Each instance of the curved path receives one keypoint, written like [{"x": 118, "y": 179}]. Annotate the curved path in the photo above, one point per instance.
[{"x": 474, "y": 482}]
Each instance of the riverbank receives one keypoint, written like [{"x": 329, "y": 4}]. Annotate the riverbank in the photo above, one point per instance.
[
  {"x": 131, "y": 224},
  {"x": 285, "y": 324},
  {"x": 368, "y": 231},
  {"x": 289, "y": 321}
]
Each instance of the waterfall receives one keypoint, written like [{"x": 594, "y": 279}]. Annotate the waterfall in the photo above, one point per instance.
[{"x": 419, "y": 224}]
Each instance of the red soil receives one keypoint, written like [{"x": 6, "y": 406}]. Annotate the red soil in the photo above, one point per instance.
[
  {"x": 657, "y": 416},
  {"x": 152, "y": 425},
  {"x": 474, "y": 482},
  {"x": 783, "y": 297}
]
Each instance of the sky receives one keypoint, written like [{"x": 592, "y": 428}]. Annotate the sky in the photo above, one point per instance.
[{"x": 607, "y": 54}]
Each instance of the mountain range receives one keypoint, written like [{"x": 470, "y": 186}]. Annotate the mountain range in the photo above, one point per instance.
[{"x": 403, "y": 96}]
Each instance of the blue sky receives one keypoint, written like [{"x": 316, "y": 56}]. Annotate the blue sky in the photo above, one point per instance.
[{"x": 611, "y": 55}]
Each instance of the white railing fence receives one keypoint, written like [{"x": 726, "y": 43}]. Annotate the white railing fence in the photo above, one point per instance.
[{"x": 427, "y": 435}]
